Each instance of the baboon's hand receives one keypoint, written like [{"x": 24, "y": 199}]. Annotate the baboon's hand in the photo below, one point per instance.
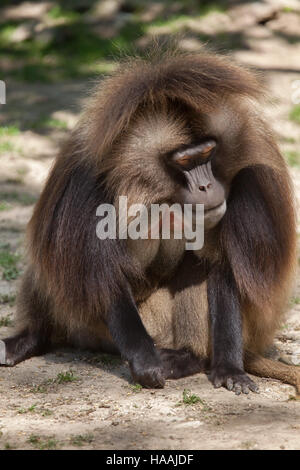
[
  {"x": 147, "y": 371},
  {"x": 233, "y": 379}
]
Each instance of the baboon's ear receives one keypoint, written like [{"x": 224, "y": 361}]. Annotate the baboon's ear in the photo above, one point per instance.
[{"x": 258, "y": 230}]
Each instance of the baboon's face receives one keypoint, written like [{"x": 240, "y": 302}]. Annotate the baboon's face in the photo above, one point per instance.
[
  {"x": 171, "y": 157},
  {"x": 194, "y": 164}
]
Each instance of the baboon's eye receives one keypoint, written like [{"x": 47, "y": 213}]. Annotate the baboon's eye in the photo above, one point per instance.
[
  {"x": 194, "y": 155},
  {"x": 207, "y": 148},
  {"x": 183, "y": 160}
]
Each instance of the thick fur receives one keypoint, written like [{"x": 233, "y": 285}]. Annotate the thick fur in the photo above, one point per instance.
[{"x": 145, "y": 110}]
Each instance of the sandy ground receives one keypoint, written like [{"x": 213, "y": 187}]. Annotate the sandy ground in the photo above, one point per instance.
[{"x": 98, "y": 408}]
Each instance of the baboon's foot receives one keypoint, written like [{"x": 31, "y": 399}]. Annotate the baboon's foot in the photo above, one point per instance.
[
  {"x": 179, "y": 363},
  {"x": 234, "y": 380},
  {"x": 20, "y": 347},
  {"x": 147, "y": 370}
]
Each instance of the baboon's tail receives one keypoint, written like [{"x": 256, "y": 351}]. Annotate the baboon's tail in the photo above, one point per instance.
[{"x": 263, "y": 367}]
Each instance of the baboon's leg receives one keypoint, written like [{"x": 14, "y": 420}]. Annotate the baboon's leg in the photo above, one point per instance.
[
  {"x": 190, "y": 320},
  {"x": 133, "y": 342},
  {"x": 178, "y": 322},
  {"x": 227, "y": 365},
  {"x": 35, "y": 331},
  {"x": 176, "y": 318},
  {"x": 157, "y": 316},
  {"x": 190, "y": 329}
]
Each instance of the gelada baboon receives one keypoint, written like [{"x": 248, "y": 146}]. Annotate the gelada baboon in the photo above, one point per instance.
[{"x": 179, "y": 128}]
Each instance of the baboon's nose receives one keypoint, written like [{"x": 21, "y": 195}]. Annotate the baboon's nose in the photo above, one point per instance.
[{"x": 205, "y": 187}]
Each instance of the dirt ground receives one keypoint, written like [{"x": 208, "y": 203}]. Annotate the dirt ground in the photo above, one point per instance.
[{"x": 76, "y": 399}]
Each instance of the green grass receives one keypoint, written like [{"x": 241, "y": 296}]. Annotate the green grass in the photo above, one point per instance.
[
  {"x": 6, "y": 321},
  {"x": 8, "y": 446},
  {"x": 22, "y": 171},
  {"x": 8, "y": 263},
  {"x": 189, "y": 398},
  {"x": 294, "y": 398},
  {"x": 61, "y": 378},
  {"x": 174, "y": 23},
  {"x": 6, "y": 31},
  {"x": 16, "y": 180},
  {"x": 31, "y": 409},
  {"x": 295, "y": 300},
  {"x": 295, "y": 114},
  {"x": 21, "y": 198},
  {"x": 47, "y": 122},
  {"x": 33, "y": 439},
  {"x": 81, "y": 439},
  {"x": 65, "y": 377},
  {"x": 42, "y": 388},
  {"x": 136, "y": 388},
  {"x": 55, "y": 123},
  {"x": 7, "y": 299},
  {"x": 292, "y": 157},
  {"x": 73, "y": 51},
  {"x": 289, "y": 140},
  {"x": 9, "y": 131},
  {"x": 41, "y": 71},
  {"x": 4, "y": 206},
  {"x": 287, "y": 9},
  {"x": 43, "y": 443},
  {"x": 57, "y": 12},
  {"x": 45, "y": 412},
  {"x": 177, "y": 21},
  {"x": 107, "y": 360},
  {"x": 248, "y": 445},
  {"x": 6, "y": 146}
]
